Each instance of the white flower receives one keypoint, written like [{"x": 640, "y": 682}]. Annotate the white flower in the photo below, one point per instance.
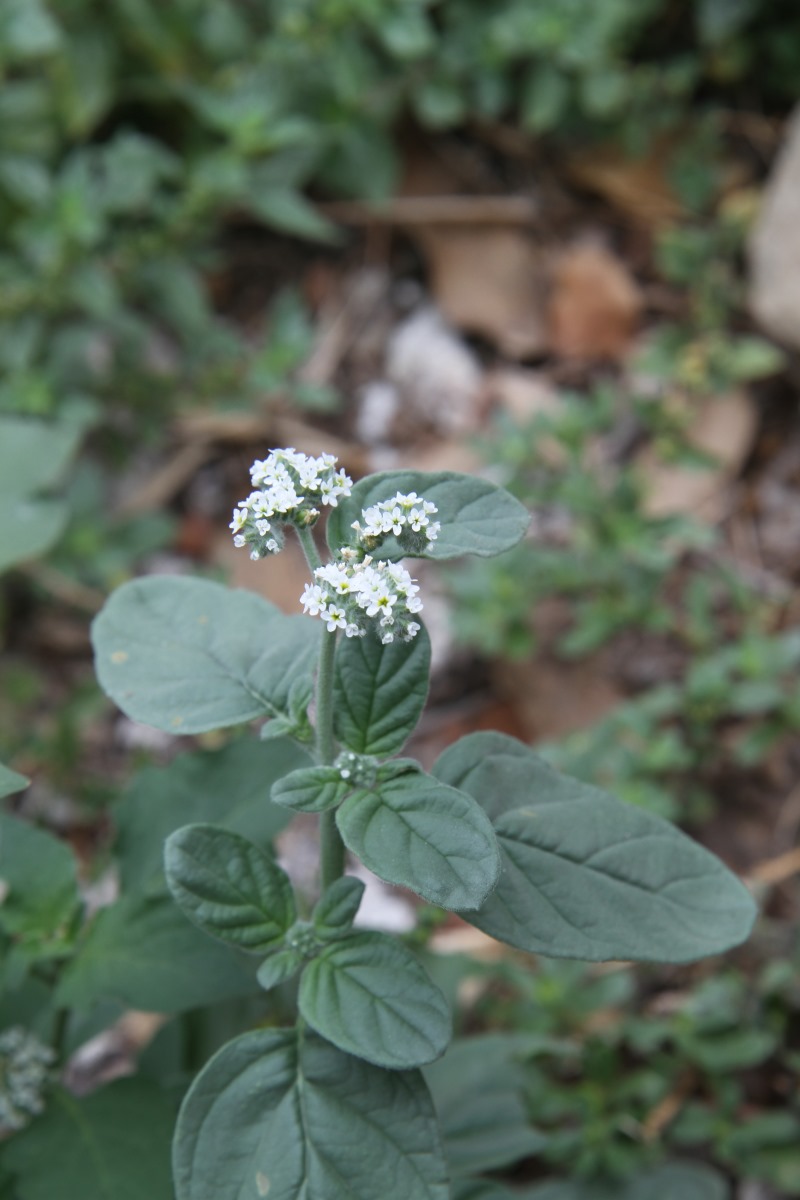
[
  {"x": 350, "y": 594},
  {"x": 313, "y": 599},
  {"x": 287, "y": 483},
  {"x": 240, "y": 516},
  {"x": 335, "y": 617}
]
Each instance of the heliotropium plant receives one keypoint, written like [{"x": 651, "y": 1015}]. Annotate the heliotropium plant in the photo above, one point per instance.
[{"x": 336, "y": 1106}]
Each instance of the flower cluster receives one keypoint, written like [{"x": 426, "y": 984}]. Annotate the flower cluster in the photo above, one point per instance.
[
  {"x": 356, "y": 596},
  {"x": 289, "y": 486},
  {"x": 24, "y": 1072},
  {"x": 405, "y": 517}
]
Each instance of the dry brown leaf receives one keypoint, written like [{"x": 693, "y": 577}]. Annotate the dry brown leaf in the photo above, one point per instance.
[
  {"x": 724, "y": 427},
  {"x": 594, "y": 305},
  {"x": 553, "y": 699},
  {"x": 489, "y": 281},
  {"x": 639, "y": 187}
]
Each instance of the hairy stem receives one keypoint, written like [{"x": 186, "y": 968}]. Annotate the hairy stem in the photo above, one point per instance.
[
  {"x": 331, "y": 844},
  {"x": 306, "y": 539}
]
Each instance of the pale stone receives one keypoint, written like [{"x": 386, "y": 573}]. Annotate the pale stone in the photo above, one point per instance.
[{"x": 774, "y": 293}]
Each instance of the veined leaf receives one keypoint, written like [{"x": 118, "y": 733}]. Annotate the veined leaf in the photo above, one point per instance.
[
  {"x": 278, "y": 1115},
  {"x": 310, "y": 789},
  {"x": 229, "y": 887},
  {"x": 188, "y": 655},
  {"x": 476, "y": 516},
  {"x": 380, "y": 692},
  {"x": 415, "y": 832},
  {"x": 336, "y": 908},
  {"x": 370, "y": 996},
  {"x": 587, "y": 876}
]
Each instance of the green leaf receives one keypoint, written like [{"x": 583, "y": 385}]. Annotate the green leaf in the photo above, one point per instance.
[
  {"x": 11, "y": 782},
  {"x": 492, "y": 767},
  {"x": 380, "y": 692},
  {"x": 279, "y": 966},
  {"x": 370, "y": 996},
  {"x": 280, "y": 1115},
  {"x": 479, "y": 1089},
  {"x": 28, "y": 528},
  {"x": 417, "y": 833},
  {"x": 37, "y": 872},
  {"x": 112, "y": 1145},
  {"x": 476, "y": 516},
  {"x": 188, "y": 655},
  {"x": 311, "y": 789},
  {"x": 588, "y": 876},
  {"x": 34, "y": 455},
  {"x": 689, "y": 1181},
  {"x": 228, "y": 787},
  {"x": 290, "y": 212},
  {"x": 228, "y": 887},
  {"x": 145, "y": 954},
  {"x": 336, "y": 908}
]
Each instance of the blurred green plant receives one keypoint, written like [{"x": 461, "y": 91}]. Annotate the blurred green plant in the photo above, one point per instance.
[
  {"x": 731, "y": 707},
  {"x": 133, "y": 136},
  {"x": 608, "y": 1074}
]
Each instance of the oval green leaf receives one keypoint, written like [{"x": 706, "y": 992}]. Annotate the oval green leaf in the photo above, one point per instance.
[
  {"x": 310, "y": 789},
  {"x": 587, "y": 876},
  {"x": 371, "y": 997},
  {"x": 476, "y": 516},
  {"x": 189, "y": 655},
  {"x": 380, "y": 692},
  {"x": 229, "y": 887},
  {"x": 336, "y": 908},
  {"x": 281, "y": 1116},
  {"x": 415, "y": 832}
]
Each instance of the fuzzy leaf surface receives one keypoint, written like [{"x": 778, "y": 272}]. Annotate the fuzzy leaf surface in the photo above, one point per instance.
[
  {"x": 279, "y": 966},
  {"x": 587, "y": 876},
  {"x": 310, "y": 789},
  {"x": 275, "y": 1115},
  {"x": 476, "y": 516},
  {"x": 336, "y": 908},
  {"x": 189, "y": 655},
  {"x": 380, "y": 692},
  {"x": 416, "y": 832},
  {"x": 228, "y": 887},
  {"x": 371, "y": 997}
]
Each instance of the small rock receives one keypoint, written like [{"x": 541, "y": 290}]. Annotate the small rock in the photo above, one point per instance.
[
  {"x": 435, "y": 373},
  {"x": 774, "y": 294}
]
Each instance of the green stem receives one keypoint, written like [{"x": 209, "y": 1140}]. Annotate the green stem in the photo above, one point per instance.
[
  {"x": 331, "y": 844},
  {"x": 306, "y": 539}
]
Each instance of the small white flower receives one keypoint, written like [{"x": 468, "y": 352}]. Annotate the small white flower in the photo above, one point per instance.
[
  {"x": 335, "y": 618},
  {"x": 239, "y": 540},
  {"x": 313, "y": 599},
  {"x": 387, "y": 638}
]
